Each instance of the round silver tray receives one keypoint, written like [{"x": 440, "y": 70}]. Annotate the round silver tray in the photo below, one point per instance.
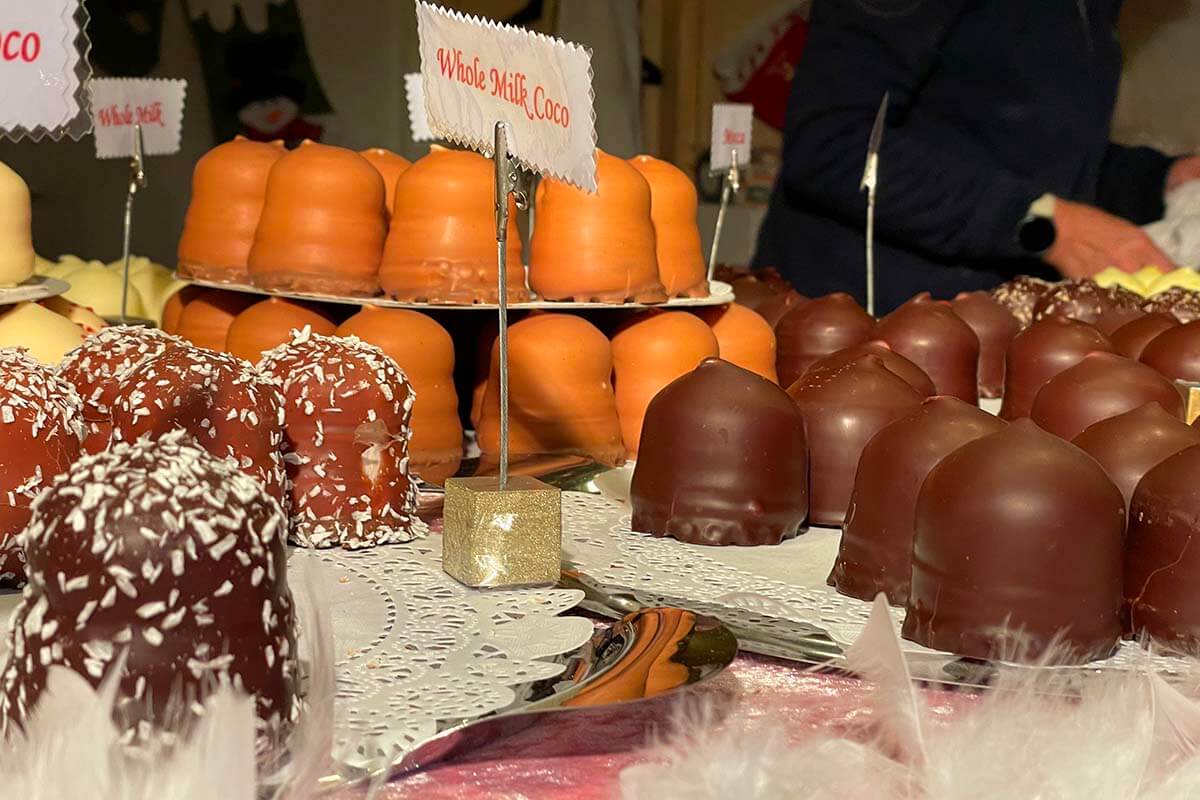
[
  {"x": 426, "y": 668},
  {"x": 720, "y": 293},
  {"x": 39, "y": 287}
]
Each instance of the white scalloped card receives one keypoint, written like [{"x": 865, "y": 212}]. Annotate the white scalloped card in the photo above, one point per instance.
[
  {"x": 119, "y": 103},
  {"x": 732, "y": 130},
  {"x": 39, "y": 54},
  {"x": 418, "y": 120},
  {"x": 477, "y": 72}
]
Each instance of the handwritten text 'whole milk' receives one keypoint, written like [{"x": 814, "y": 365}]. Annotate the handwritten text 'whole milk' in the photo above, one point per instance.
[
  {"x": 508, "y": 86},
  {"x": 149, "y": 114}
]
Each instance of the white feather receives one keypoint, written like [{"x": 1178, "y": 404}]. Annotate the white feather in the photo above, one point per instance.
[
  {"x": 311, "y": 745},
  {"x": 877, "y": 656},
  {"x": 1037, "y": 733},
  {"x": 71, "y": 749}
]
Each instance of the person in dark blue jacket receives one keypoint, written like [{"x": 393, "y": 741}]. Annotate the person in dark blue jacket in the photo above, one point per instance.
[{"x": 995, "y": 159}]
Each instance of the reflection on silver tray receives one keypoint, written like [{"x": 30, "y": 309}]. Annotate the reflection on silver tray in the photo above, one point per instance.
[{"x": 38, "y": 287}]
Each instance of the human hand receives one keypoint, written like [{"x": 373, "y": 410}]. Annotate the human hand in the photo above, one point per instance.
[
  {"x": 1183, "y": 171},
  {"x": 1088, "y": 240}
]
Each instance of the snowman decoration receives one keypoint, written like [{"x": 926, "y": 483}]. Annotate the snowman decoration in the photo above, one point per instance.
[{"x": 268, "y": 108}]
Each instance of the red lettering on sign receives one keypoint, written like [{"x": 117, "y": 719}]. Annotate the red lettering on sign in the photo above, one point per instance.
[
  {"x": 452, "y": 65},
  {"x": 733, "y": 137},
  {"x": 511, "y": 87},
  {"x": 151, "y": 114},
  {"x": 18, "y": 46},
  {"x": 116, "y": 116},
  {"x": 550, "y": 110}
]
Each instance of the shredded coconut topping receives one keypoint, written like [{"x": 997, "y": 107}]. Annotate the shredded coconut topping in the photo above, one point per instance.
[
  {"x": 129, "y": 573},
  {"x": 348, "y": 414}
]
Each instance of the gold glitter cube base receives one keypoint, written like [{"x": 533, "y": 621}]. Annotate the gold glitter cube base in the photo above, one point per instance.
[{"x": 502, "y": 538}]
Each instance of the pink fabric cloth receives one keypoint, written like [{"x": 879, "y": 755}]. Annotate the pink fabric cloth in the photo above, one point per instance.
[{"x": 581, "y": 757}]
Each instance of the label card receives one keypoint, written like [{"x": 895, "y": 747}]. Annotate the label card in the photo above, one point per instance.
[
  {"x": 732, "y": 127},
  {"x": 418, "y": 120},
  {"x": 38, "y": 62},
  {"x": 118, "y": 103},
  {"x": 477, "y": 72}
]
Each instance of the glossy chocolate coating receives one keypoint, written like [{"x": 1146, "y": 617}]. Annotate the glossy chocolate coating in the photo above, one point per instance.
[
  {"x": 723, "y": 460},
  {"x": 909, "y": 372},
  {"x": 776, "y": 308},
  {"x": 751, "y": 292},
  {"x": 1131, "y": 338},
  {"x": 1019, "y": 538},
  {"x": 1082, "y": 299},
  {"x": 875, "y": 554},
  {"x": 933, "y": 337},
  {"x": 100, "y": 366},
  {"x": 843, "y": 408},
  {"x": 815, "y": 329},
  {"x": 1162, "y": 567},
  {"x": 1115, "y": 318},
  {"x": 1020, "y": 295},
  {"x": 1131, "y": 444},
  {"x": 42, "y": 427},
  {"x": 995, "y": 326},
  {"x": 1176, "y": 352},
  {"x": 1040, "y": 352},
  {"x": 1181, "y": 303},
  {"x": 1100, "y": 386},
  {"x": 171, "y": 557},
  {"x": 231, "y": 409},
  {"x": 347, "y": 427}
]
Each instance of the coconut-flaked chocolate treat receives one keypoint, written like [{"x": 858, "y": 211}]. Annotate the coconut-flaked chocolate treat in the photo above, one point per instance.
[
  {"x": 1179, "y": 302},
  {"x": 347, "y": 419},
  {"x": 1083, "y": 299},
  {"x": 41, "y": 430},
  {"x": 230, "y": 410},
  {"x": 164, "y": 555},
  {"x": 1020, "y": 295},
  {"x": 98, "y": 369}
]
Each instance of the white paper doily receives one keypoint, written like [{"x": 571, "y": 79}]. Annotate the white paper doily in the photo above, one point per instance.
[
  {"x": 418, "y": 652},
  {"x": 778, "y": 590}
]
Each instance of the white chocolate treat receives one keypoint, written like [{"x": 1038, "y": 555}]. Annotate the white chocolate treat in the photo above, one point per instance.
[
  {"x": 83, "y": 317},
  {"x": 1187, "y": 278},
  {"x": 42, "y": 265},
  {"x": 154, "y": 283},
  {"x": 1115, "y": 277},
  {"x": 65, "y": 266},
  {"x": 16, "y": 229},
  {"x": 1148, "y": 275},
  {"x": 46, "y": 335},
  {"x": 97, "y": 287}
]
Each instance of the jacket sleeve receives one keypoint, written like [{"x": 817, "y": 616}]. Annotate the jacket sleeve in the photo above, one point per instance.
[
  {"x": 951, "y": 207},
  {"x": 1133, "y": 181}
]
